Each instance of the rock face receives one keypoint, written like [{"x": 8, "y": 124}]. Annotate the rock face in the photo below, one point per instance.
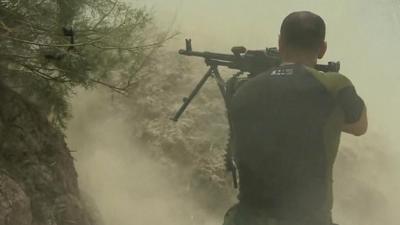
[
  {"x": 38, "y": 181},
  {"x": 15, "y": 206}
]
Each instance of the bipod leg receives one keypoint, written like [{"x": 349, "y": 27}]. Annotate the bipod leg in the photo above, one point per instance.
[{"x": 187, "y": 100}]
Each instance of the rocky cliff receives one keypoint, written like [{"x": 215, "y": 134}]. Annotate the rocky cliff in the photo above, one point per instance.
[{"x": 38, "y": 181}]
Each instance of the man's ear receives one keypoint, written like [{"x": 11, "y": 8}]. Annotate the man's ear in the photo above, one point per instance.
[
  {"x": 280, "y": 43},
  {"x": 322, "y": 50}
]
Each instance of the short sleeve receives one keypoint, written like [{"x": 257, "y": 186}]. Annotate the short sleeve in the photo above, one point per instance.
[
  {"x": 350, "y": 102},
  {"x": 344, "y": 93}
]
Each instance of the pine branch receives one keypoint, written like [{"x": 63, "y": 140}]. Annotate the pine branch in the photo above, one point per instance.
[
  {"x": 119, "y": 90},
  {"x": 53, "y": 45}
]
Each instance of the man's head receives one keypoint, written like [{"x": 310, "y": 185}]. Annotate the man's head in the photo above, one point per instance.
[{"x": 302, "y": 34}]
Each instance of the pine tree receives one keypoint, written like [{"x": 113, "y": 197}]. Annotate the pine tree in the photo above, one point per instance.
[{"x": 49, "y": 47}]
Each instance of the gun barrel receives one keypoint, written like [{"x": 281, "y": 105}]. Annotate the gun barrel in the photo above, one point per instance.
[{"x": 209, "y": 55}]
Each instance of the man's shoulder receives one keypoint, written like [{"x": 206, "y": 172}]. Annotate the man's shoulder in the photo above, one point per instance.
[
  {"x": 248, "y": 90},
  {"x": 254, "y": 82},
  {"x": 332, "y": 81}
]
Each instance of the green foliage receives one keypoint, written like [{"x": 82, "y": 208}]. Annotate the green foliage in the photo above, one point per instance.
[{"x": 111, "y": 45}]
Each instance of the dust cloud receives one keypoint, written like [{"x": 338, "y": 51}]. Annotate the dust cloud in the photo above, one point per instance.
[{"x": 130, "y": 188}]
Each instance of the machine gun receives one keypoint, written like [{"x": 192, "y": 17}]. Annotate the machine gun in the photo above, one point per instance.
[
  {"x": 251, "y": 62},
  {"x": 248, "y": 62}
]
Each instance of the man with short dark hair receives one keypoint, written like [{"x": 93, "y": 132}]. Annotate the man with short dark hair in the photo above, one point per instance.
[{"x": 286, "y": 125}]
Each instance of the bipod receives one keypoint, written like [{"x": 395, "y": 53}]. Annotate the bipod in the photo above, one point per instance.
[{"x": 212, "y": 71}]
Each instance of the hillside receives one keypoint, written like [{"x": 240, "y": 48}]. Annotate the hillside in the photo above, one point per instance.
[{"x": 38, "y": 181}]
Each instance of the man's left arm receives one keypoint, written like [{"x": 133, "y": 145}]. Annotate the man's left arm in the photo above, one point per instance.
[{"x": 355, "y": 111}]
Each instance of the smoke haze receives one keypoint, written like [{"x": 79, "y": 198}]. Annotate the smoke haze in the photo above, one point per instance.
[
  {"x": 130, "y": 188},
  {"x": 127, "y": 185}
]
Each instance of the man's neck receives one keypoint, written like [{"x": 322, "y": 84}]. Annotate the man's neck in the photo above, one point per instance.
[
  {"x": 300, "y": 58},
  {"x": 306, "y": 63}
]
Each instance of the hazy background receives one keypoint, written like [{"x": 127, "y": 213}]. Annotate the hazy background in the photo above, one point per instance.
[
  {"x": 131, "y": 189},
  {"x": 363, "y": 35}
]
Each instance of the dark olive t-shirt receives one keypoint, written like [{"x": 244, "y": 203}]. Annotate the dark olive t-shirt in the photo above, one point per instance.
[{"x": 286, "y": 125}]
